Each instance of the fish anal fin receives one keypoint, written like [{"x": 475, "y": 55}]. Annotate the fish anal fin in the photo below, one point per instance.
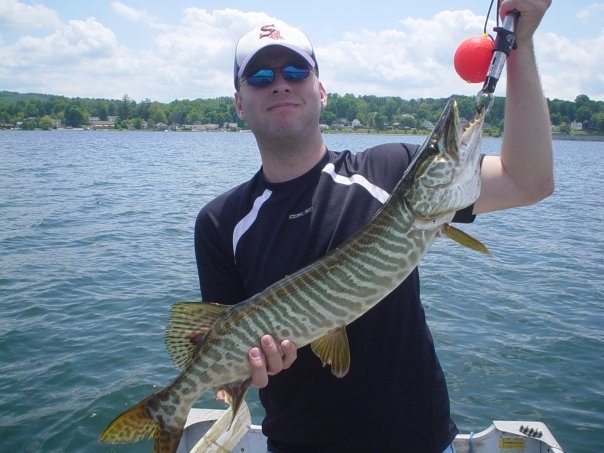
[
  {"x": 233, "y": 394},
  {"x": 188, "y": 324},
  {"x": 333, "y": 350},
  {"x": 464, "y": 239}
]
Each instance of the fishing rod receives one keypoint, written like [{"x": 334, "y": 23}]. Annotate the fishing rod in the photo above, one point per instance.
[
  {"x": 481, "y": 59},
  {"x": 505, "y": 42}
]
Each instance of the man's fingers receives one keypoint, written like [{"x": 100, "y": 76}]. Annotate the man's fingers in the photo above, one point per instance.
[
  {"x": 272, "y": 355},
  {"x": 258, "y": 368},
  {"x": 270, "y": 359},
  {"x": 290, "y": 353}
]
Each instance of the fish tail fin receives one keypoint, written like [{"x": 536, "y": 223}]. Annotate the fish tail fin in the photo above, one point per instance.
[
  {"x": 131, "y": 426},
  {"x": 136, "y": 424}
]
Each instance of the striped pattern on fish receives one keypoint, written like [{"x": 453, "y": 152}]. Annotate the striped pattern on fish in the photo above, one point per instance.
[{"x": 314, "y": 305}]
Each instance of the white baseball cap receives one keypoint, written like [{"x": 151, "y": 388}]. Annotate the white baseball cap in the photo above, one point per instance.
[{"x": 274, "y": 34}]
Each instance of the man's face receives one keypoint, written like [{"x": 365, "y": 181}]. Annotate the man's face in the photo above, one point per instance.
[{"x": 283, "y": 108}]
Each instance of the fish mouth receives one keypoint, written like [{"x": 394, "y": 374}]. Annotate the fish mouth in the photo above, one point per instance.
[
  {"x": 464, "y": 188},
  {"x": 447, "y": 171},
  {"x": 475, "y": 126}
]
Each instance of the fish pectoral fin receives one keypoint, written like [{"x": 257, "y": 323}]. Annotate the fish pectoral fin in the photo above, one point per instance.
[
  {"x": 463, "y": 238},
  {"x": 233, "y": 394},
  {"x": 333, "y": 350},
  {"x": 188, "y": 324}
]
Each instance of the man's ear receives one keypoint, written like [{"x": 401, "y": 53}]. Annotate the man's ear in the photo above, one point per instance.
[
  {"x": 323, "y": 95},
  {"x": 239, "y": 106}
]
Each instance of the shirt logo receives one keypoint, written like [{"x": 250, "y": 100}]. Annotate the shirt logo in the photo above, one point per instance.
[
  {"x": 269, "y": 31},
  {"x": 300, "y": 214}
]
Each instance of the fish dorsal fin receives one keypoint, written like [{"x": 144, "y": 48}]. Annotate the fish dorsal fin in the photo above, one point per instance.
[
  {"x": 188, "y": 324},
  {"x": 333, "y": 350},
  {"x": 464, "y": 239}
]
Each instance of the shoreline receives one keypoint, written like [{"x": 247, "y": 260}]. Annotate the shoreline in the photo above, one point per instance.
[
  {"x": 564, "y": 137},
  {"x": 578, "y": 138}
]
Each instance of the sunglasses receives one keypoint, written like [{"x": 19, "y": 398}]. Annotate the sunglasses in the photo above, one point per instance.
[{"x": 264, "y": 77}]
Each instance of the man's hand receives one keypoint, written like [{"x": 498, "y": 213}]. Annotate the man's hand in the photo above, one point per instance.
[
  {"x": 531, "y": 13},
  {"x": 270, "y": 359}
]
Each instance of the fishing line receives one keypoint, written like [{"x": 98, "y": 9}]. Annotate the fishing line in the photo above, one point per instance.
[
  {"x": 503, "y": 45},
  {"x": 486, "y": 19},
  {"x": 483, "y": 59}
]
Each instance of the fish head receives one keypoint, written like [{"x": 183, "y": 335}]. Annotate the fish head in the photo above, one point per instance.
[{"x": 445, "y": 173}]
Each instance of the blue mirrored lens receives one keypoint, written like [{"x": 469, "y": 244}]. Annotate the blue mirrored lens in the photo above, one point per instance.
[
  {"x": 292, "y": 73},
  {"x": 264, "y": 77},
  {"x": 261, "y": 78}
]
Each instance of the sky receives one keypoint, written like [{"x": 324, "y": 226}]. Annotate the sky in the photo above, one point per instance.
[{"x": 183, "y": 49}]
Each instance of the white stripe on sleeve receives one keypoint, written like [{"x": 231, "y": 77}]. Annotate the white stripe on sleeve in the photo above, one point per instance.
[
  {"x": 245, "y": 223},
  {"x": 377, "y": 192}
]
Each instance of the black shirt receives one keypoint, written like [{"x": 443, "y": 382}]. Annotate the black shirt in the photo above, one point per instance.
[{"x": 394, "y": 397}]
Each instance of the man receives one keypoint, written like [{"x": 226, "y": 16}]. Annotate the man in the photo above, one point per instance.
[{"x": 295, "y": 209}]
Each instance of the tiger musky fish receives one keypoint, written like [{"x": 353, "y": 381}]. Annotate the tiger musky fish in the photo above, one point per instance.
[{"x": 210, "y": 342}]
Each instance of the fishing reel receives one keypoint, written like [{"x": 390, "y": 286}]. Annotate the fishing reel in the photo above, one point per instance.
[
  {"x": 504, "y": 43},
  {"x": 473, "y": 54}
]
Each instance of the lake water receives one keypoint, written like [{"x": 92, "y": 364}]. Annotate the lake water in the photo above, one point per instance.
[{"x": 96, "y": 240}]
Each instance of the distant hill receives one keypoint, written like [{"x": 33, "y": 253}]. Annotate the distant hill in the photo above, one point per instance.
[{"x": 12, "y": 96}]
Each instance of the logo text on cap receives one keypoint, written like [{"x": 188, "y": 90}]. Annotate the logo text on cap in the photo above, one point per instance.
[{"x": 269, "y": 31}]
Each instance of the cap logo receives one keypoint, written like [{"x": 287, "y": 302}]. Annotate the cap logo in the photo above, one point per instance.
[{"x": 269, "y": 31}]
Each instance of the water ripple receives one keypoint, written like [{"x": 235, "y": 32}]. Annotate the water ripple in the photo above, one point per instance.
[{"x": 97, "y": 241}]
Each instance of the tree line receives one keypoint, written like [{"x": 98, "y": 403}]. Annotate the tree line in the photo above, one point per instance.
[{"x": 42, "y": 111}]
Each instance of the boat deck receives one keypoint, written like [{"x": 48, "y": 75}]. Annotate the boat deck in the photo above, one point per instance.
[{"x": 501, "y": 437}]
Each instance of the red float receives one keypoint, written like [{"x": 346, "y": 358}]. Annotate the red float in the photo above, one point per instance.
[{"x": 473, "y": 57}]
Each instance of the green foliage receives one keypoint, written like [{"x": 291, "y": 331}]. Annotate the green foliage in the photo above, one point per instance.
[
  {"x": 381, "y": 113},
  {"x": 74, "y": 115},
  {"x": 598, "y": 120}
]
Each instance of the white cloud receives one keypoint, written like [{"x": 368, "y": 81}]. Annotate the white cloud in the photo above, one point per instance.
[
  {"x": 190, "y": 59},
  {"x": 571, "y": 67},
  {"x": 591, "y": 13},
  {"x": 194, "y": 58},
  {"x": 416, "y": 60},
  {"x": 136, "y": 16},
  {"x": 413, "y": 61},
  {"x": 18, "y": 15},
  {"x": 78, "y": 58},
  {"x": 76, "y": 39}
]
